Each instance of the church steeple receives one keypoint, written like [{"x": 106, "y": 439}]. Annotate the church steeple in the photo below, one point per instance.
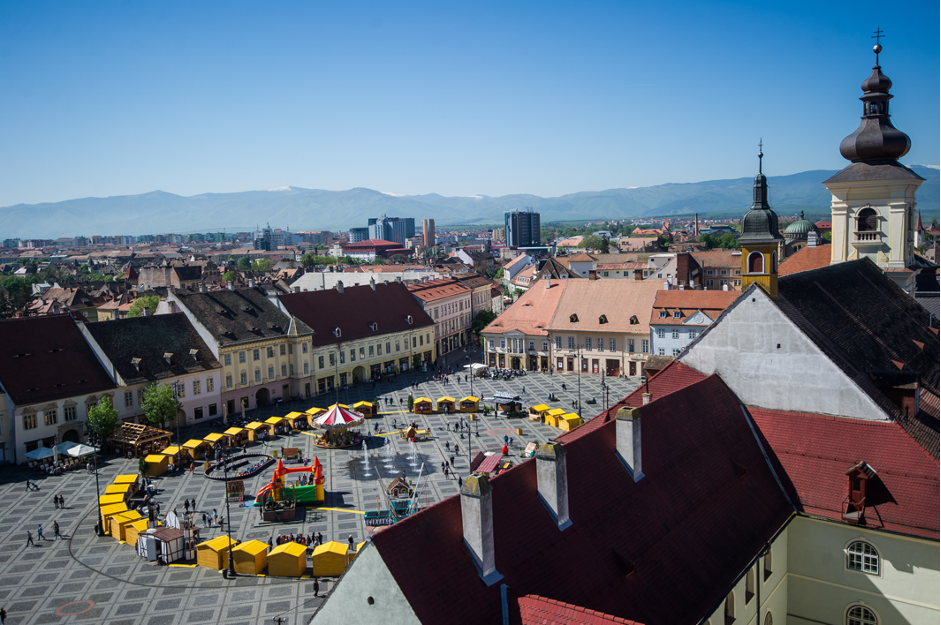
[
  {"x": 761, "y": 237},
  {"x": 876, "y": 140}
]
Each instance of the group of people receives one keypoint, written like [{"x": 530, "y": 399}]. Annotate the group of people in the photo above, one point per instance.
[{"x": 310, "y": 540}]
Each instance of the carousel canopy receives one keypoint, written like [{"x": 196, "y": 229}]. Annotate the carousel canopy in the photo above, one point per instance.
[{"x": 338, "y": 417}]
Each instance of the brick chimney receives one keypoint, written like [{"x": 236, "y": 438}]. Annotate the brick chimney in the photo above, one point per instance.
[
  {"x": 477, "y": 521},
  {"x": 552, "y": 482},
  {"x": 628, "y": 441},
  {"x": 230, "y": 285}
]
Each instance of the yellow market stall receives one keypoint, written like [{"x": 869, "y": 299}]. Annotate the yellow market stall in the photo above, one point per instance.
[
  {"x": 298, "y": 420},
  {"x": 469, "y": 404},
  {"x": 194, "y": 448},
  {"x": 330, "y": 559},
  {"x": 569, "y": 421},
  {"x": 365, "y": 408},
  {"x": 119, "y": 523},
  {"x": 313, "y": 413},
  {"x": 536, "y": 413},
  {"x": 125, "y": 490},
  {"x": 287, "y": 560},
  {"x": 255, "y": 428},
  {"x": 250, "y": 557},
  {"x": 133, "y": 529},
  {"x": 422, "y": 405},
  {"x": 173, "y": 452},
  {"x": 216, "y": 439},
  {"x": 213, "y": 554},
  {"x": 278, "y": 425},
  {"x": 156, "y": 464},
  {"x": 109, "y": 511},
  {"x": 236, "y": 436},
  {"x": 108, "y": 500},
  {"x": 131, "y": 479},
  {"x": 446, "y": 404},
  {"x": 553, "y": 416}
]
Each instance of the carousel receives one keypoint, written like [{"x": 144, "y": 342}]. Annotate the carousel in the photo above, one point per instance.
[{"x": 336, "y": 423}]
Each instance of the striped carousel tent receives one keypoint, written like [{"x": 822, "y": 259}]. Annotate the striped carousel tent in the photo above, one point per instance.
[{"x": 338, "y": 417}]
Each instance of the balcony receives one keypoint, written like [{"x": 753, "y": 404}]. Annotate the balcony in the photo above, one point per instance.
[{"x": 867, "y": 238}]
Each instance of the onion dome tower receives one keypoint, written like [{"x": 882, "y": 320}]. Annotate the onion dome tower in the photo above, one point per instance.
[
  {"x": 761, "y": 238},
  {"x": 873, "y": 207}
]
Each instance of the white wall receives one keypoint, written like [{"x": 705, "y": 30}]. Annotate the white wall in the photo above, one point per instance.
[{"x": 742, "y": 347}]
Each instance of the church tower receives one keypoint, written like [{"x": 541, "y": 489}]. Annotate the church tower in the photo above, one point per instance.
[
  {"x": 872, "y": 210},
  {"x": 760, "y": 240}
]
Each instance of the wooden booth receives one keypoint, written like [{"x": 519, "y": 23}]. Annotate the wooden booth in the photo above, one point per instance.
[
  {"x": 298, "y": 420},
  {"x": 194, "y": 448},
  {"x": 569, "y": 421},
  {"x": 422, "y": 405},
  {"x": 538, "y": 413},
  {"x": 213, "y": 554},
  {"x": 163, "y": 544},
  {"x": 279, "y": 425},
  {"x": 469, "y": 404},
  {"x": 287, "y": 560},
  {"x": 109, "y": 511},
  {"x": 110, "y": 500},
  {"x": 130, "y": 478},
  {"x": 138, "y": 439},
  {"x": 255, "y": 428},
  {"x": 120, "y": 522},
  {"x": 366, "y": 408},
  {"x": 124, "y": 490},
  {"x": 330, "y": 559},
  {"x": 133, "y": 529},
  {"x": 174, "y": 454},
  {"x": 446, "y": 404},
  {"x": 552, "y": 417},
  {"x": 156, "y": 464},
  {"x": 236, "y": 436},
  {"x": 250, "y": 557}
]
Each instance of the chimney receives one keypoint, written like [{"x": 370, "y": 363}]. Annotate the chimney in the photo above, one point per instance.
[
  {"x": 297, "y": 289},
  {"x": 645, "y": 398},
  {"x": 666, "y": 285},
  {"x": 548, "y": 284},
  {"x": 339, "y": 286},
  {"x": 628, "y": 441},
  {"x": 812, "y": 239},
  {"x": 552, "y": 482},
  {"x": 202, "y": 287},
  {"x": 477, "y": 521},
  {"x": 725, "y": 287},
  {"x": 372, "y": 283},
  {"x": 230, "y": 285},
  {"x": 251, "y": 283}
]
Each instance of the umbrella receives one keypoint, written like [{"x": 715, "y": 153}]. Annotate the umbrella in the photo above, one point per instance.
[
  {"x": 40, "y": 453},
  {"x": 338, "y": 418},
  {"x": 78, "y": 451},
  {"x": 64, "y": 447}
]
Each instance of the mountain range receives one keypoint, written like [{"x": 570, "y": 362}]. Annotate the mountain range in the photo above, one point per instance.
[{"x": 159, "y": 212}]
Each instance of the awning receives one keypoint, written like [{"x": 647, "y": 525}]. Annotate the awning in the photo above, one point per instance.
[
  {"x": 80, "y": 450},
  {"x": 338, "y": 417},
  {"x": 40, "y": 453}
]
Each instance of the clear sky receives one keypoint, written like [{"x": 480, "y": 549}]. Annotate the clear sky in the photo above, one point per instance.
[{"x": 111, "y": 98}]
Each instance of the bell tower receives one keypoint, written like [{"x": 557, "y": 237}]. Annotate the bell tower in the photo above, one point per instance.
[
  {"x": 761, "y": 239},
  {"x": 872, "y": 209}
]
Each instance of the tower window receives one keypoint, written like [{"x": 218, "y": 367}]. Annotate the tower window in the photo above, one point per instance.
[
  {"x": 756, "y": 263},
  {"x": 867, "y": 220}
]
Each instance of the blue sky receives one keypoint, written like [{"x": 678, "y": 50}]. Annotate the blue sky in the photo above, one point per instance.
[{"x": 112, "y": 98}]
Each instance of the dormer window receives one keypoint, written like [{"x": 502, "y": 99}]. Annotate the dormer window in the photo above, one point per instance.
[
  {"x": 603, "y": 319},
  {"x": 168, "y": 356},
  {"x": 573, "y": 318},
  {"x": 677, "y": 314},
  {"x": 194, "y": 354},
  {"x": 663, "y": 314},
  {"x": 854, "y": 506},
  {"x": 138, "y": 365},
  {"x": 409, "y": 320},
  {"x": 634, "y": 320},
  {"x": 336, "y": 332},
  {"x": 373, "y": 326}
]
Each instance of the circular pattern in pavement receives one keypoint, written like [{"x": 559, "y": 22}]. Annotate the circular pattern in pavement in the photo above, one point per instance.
[{"x": 61, "y": 611}]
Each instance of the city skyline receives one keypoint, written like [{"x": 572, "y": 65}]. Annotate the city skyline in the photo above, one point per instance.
[{"x": 521, "y": 99}]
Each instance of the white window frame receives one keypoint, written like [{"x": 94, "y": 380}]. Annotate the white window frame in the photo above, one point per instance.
[
  {"x": 862, "y": 558},
  {"x": 857, "y": 604}
]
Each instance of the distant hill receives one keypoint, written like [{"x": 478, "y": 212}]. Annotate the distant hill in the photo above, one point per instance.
[{"x": 312, "y": 209}]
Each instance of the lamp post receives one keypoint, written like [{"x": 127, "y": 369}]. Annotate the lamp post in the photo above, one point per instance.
[
  {"x": 94, "y": 455},
  {"x": 228, "y": 518}
]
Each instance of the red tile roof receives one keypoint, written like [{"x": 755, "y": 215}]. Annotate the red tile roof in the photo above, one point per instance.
[
  {"x": 712, "y": 303},
  {"x": 805, "y": 259},
  {"x": 811, "y": 453},
  {"x": 536, "y": 610},
  {"x": 438, "y": 289},
  {"x": 632, "y": 547}
]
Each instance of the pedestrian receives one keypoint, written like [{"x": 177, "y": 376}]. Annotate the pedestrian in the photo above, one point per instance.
[
  {"x": 447, "y": 445},
  {"x": 186, "y": 506},
  {"x": 457, "y": 450},
  {"x": 319, "y": 538},
  {"x": 193, "y": 504},
  {"x": 61, "y": 501},
  {"x": 55, "y": 529},
  {"x": 460, "y": 482},
  {"x": 55, "y": 500},
  {"x": 451, "y": 461},
  {"x": 39, "y": 534},
  {"x": 350, "y": 540},
  {"x": 29, "y": 538},
  {"x": 3, "y": 616},
  {"x": 215, "y": 517},
  {"x": 270, "y": 544},
  {"x": 446, "y": 473},
  {"x": 316, "y": 587}
]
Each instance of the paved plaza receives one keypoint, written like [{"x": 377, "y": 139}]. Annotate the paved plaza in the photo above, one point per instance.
[{"x": 83, "y": 578}]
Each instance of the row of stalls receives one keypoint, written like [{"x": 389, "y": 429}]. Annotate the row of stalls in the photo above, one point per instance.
[
  {"x": 556, "y": 417},
  {"x": 288, "y": 559},
  {"x": 446, "y": 405}
]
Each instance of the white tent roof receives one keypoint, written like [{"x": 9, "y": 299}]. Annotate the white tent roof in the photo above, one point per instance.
[
  {"x": 39, "y": 453},
  {"x": 80, "y": 450}
]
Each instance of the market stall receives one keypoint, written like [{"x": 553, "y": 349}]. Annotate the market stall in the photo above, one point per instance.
[
  {"x": 470, "y": 404},
  {"x": 298, "y": 420},
  {"x": 279, "y": 425},
  {"x": 569, "y": 421},
  {"x": 213, "y": 554},
  {"x": 135, "y": 439},
  {"x": 330, "y": 559},
  {"x": 120, "y": 522},
  {"x": 256, "y": 430},
  {"x": 236, "y": 436},
  {"x": 287, "y": 560},
  {"x": 109, "y": 511},
  {"x": 366, "y": 408},
  {"x": 133, "y": 529},
  {"x": 422, "y": 405},
  {"x": 250, "y": 557},
  {"x": 124, "y": 490},
  {"x": 163, "y": 544},
  {"x": 108, "y": 500},
  {"x": 156, "y": 464},
  {"x": 335, "y": 424},
  {"x": 552, "y": 417},
  {"x": 446, "y": 404},
  {"x": 130, "y": 478},
  {"x": 538, "y": 413},
  {"x": 174, "y": 454},
  {"x": 195, "y": 448}
]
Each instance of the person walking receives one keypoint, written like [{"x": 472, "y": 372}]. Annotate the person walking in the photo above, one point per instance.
[
  {"x": 61, "y": 502},
  {"x": 39, "y": 534},
  {"x": 193, "y": 504},
  {"x": 316, "y": 587},
  {"x": 350, "y": 540},
  {"x": 460, "y": 482},
  {"x": 186, "y": 506},
  {"x": 3, "y": 616},
  {"x": 319, "y": 538},
  {"x": 29, "y": 538},
  {"x": 55, "y": 501},
  {"x": 270, "y": 544},
  {"x": 55, "y": 530}
]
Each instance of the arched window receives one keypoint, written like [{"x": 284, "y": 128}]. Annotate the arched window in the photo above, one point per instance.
[
  {"x": 730, "y": 608},
  {"x": 768, "y": 619},
  {"x": 861, "y": 556},
  {"x": 769, "y": 564},
  {"x": 861, "y": 615},
  {"x": 756, "y": 263},
  {"x": 749, "y": 585},
  {"x": 867, "y": 220}
]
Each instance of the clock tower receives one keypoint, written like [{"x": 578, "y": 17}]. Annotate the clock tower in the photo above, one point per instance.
[{"x": 761, "y": 239}]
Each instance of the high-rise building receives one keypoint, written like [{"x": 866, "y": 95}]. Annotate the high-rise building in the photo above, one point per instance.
[
  {"x": 358, "y": 234},
  {"x": 396, "y": 229},
  {"x": 522, "y": 229},
  {"x": 428, "y": 232}
]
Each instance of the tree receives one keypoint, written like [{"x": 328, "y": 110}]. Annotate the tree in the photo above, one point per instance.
[
  {"x": 150, "y": 302},
  {"x": 102, "y": 419},
  {"x": 229, "y": 276},
  {"x": 594, "y": 242},
  {"x": 244, "y": 264},
  {"x": 828, "y": 236},
  {"x": 262, "y": 264},
  {"x": 160, "y": 405},
  {"x": 411, "y": 402},
  {"x": 481, "y": 320},
  {"x": 605, "y": 245}
]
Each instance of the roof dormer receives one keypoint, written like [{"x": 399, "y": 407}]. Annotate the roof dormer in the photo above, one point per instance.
[
  {"x": 573, "y": 318},
  {"x": 854, "y": 505},
  {"x": 168, "y": 356}
]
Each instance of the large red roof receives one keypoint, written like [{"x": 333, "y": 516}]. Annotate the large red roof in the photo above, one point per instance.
[
  {"x": 536, "y": 610},
  {"x": 632, "y": 548},
  {"x": 811, "y": 453}
]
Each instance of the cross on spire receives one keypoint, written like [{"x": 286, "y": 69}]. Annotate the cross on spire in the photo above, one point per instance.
[
  {"x": 760, "y": 153},
  {"x": 878, "y": 34}
]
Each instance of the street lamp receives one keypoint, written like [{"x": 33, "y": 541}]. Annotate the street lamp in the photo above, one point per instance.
[
  {"x": 228, "y": 518},
  {"x": 100, "y": 530}
]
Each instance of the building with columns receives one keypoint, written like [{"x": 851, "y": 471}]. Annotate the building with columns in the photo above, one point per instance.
[{"x": 873, "y": 205}]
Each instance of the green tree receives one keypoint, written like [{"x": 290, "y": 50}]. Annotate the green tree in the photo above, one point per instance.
[
  {"x": 411, "y": 402},
  {"x": 160, "y": 405},
  {"x": 481, "y": 320},
  {"x": 18, "y": 302},
  {"x": 605, "y": 245},
  {"x": 594, "y": 242},
  {"x": 102, "y": 419},
  {"x": 828, "y": 237},
  {"x": 229, "y": 276},
  {"x": 150, "y": 302},
  {"x": 262, "y": 264},
  {"x": 244, "y": 264},
  {"x": 142, "y": 466}
]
